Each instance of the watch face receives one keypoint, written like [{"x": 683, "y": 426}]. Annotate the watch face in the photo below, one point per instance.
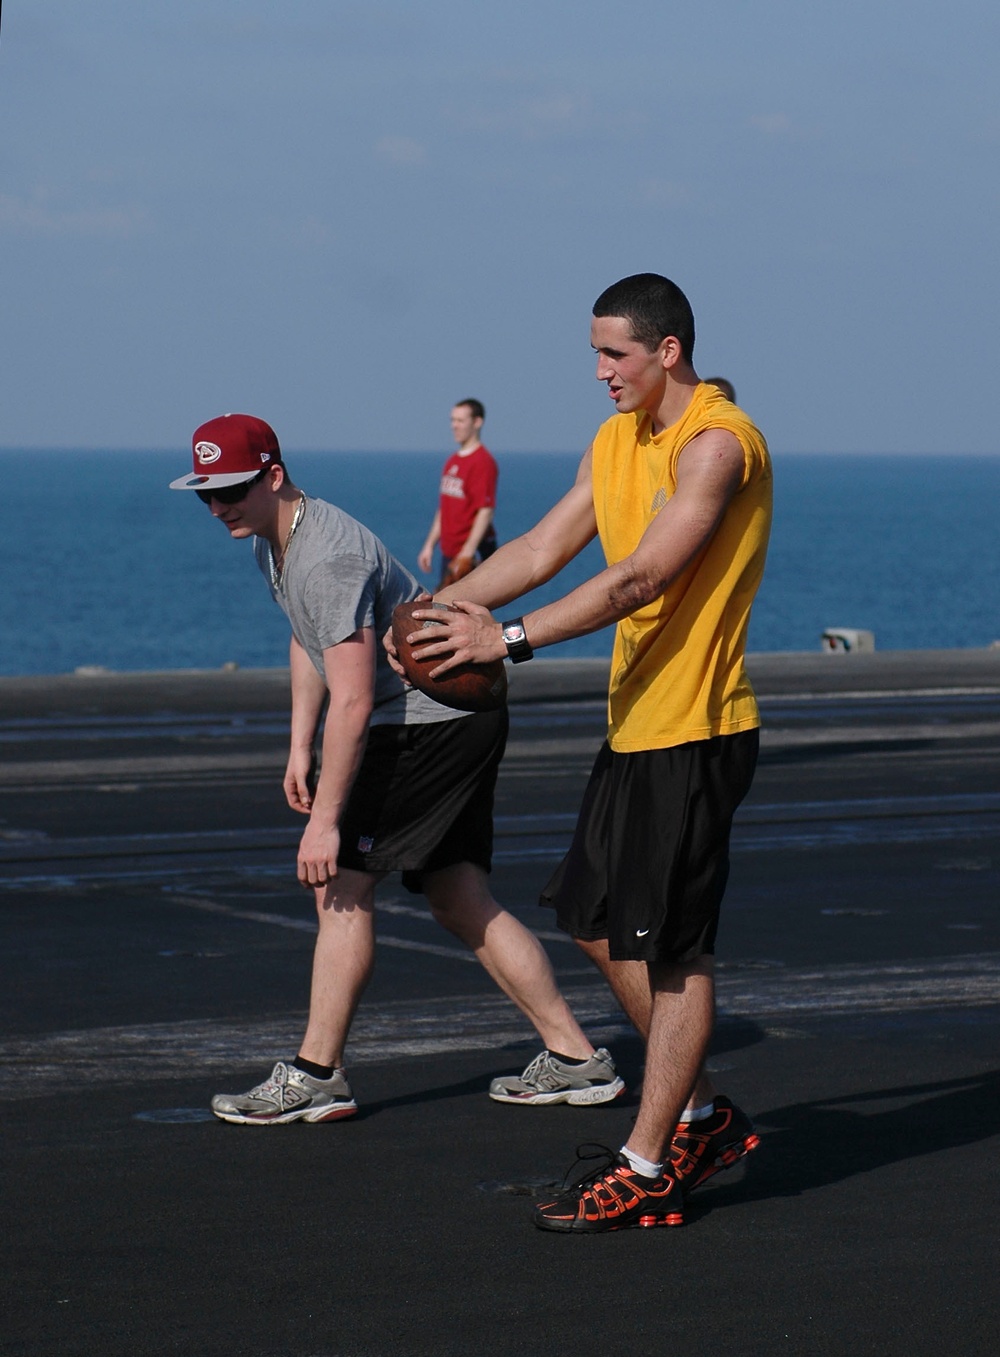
[{"x": 513, "y": 633}]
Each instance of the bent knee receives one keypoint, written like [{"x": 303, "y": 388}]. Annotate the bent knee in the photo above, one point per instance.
[
  {"x": 344, "y": 899},
  {"x": 458, "y": 913}
]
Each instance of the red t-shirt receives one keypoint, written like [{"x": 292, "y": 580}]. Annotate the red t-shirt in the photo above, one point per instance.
[{"x": 468, "y": 484}]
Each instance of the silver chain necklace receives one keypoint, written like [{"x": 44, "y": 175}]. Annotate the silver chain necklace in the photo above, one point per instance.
[{"x": 276, "y": 571}]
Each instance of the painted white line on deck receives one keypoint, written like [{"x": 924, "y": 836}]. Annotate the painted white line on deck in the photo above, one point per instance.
[
  {"x": 256, "y": 764},
  {"x": 868, "y": 694},
  {"x": 794, "y": 737},
  {"x": 389, "y": 906},
  {"x": 36, "y": 1066},
  {"x": 40, "y": 1066},
  {"x": 393, "y": 906},
  {"x": 309, "y": 926}
]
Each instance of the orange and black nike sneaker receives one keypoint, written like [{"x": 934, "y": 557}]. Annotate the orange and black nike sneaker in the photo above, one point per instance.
[
  {"x": 700, "y": 1149},
  {"x": 612, "y": 1197}
]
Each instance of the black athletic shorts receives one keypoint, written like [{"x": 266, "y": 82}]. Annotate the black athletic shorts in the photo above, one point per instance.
[
  {"x": 649, "y": 861},
  {"x": 423, "y": 797}
]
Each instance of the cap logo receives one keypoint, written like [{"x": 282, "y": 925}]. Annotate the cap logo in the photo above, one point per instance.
[
  {"x": 265, "y": 456},
  {"x": 207, "y": 452}
]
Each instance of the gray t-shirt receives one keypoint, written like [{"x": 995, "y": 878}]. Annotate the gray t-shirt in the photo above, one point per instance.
[{"x": 337, "y": 578}]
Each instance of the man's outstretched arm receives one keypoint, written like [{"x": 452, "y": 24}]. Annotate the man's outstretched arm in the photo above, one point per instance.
[
  {"x": 710, "y": 472},
  {"x": 529, "y": 560}
]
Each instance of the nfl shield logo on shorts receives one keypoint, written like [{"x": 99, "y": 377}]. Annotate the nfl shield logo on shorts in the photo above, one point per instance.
[{"x": 365, "y": 844}]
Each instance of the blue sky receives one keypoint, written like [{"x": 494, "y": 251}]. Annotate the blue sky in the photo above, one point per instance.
[{"x": 345, "y": 216}]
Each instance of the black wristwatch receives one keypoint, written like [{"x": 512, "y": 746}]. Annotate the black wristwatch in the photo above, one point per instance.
[{"x": 515, "y": 640}]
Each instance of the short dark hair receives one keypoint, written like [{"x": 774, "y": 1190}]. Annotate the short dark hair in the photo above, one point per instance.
[
  {"x": 477, "y": 407},
  {"x": 654, "y": 308},
  {"x": 724, "y": 385}
]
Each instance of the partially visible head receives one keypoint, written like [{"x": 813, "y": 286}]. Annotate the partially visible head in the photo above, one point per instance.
[
  {"x": 467, "y": 420},
  {"x": 654, "y": 308},
  {"x": 724, "y": 385}
]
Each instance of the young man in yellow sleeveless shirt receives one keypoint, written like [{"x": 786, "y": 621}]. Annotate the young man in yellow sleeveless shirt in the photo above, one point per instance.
[{"x": 678, "y": 486}]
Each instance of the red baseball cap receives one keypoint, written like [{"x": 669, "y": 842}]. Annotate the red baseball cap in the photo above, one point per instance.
[{"x": 228, "y": 451}]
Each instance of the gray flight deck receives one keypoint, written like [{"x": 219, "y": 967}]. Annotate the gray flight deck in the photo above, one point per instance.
[{"x": 157, "y": 950}]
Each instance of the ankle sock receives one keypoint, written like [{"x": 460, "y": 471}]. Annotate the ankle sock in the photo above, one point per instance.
[
  {"x": 312, "y": 1069},
  {"x": 568, "y": 1059},
  {"x": 644, "y": 1166},
  {"x": 698, "y": 1113}
]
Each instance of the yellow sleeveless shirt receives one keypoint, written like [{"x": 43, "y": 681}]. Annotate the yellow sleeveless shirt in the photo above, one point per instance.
[{"x": 677, "y": 671}]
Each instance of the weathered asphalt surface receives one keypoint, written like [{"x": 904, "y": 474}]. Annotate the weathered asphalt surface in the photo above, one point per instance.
[{"x": 156, "y": 951}]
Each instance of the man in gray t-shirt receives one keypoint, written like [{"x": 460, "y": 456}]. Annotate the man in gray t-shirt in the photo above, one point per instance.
[
  {"x": 405, "y": 784},
  {"x": 339, "y": 578}
]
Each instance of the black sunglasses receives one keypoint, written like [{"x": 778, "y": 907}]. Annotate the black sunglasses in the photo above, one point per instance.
[{"x": 231, "y": 494}]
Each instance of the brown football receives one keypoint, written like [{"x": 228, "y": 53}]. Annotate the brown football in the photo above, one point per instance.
[{"x": 470, "y": 687}]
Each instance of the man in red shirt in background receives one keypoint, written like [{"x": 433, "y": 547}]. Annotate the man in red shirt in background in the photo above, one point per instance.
[{"x": 464, "y": 520}]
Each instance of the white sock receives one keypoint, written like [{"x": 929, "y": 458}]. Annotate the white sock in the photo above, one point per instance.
[
  {"x": 643, "y": 1166},
  {"x": 698, "y": 1113}
]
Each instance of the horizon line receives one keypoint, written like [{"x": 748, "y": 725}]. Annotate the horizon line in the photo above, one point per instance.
[{"x": 85, "y": 450}]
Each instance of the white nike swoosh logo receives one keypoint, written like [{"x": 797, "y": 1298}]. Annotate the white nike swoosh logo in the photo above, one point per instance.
[{"x": 641, "y": 932}]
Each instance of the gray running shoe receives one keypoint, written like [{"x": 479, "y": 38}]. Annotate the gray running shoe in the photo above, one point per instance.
[
  {"x": 288, "y": 1094},
  {"x": 548, "y": 1080}
]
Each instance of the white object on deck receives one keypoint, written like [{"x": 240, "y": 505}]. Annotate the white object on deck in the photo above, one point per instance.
[{"x": 843, "y": 639}]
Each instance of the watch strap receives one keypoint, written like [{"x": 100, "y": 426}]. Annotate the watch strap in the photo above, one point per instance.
[{"x": 518, "y": 646}]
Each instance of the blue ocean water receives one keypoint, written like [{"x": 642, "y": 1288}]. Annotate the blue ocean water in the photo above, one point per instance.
[{"x": 105, "y": 566}]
